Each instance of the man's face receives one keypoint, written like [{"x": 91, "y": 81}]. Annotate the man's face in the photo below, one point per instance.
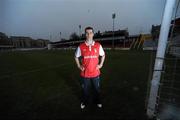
[{"x": 89, "y": 34}]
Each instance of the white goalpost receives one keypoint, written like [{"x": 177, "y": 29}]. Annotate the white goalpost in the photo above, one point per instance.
[{"x": 162, "y": 44}]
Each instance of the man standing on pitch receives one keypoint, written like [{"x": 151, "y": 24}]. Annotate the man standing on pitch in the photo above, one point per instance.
[{"x": 87, "y": 59}]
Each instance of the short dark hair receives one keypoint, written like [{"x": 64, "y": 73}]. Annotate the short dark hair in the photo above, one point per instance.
[{"x": 89, "y": 28}]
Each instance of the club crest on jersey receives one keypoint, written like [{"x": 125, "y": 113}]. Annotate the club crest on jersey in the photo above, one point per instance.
[
  {"x": 84, "y": 50},
  {"x": 95, "y": 50}
]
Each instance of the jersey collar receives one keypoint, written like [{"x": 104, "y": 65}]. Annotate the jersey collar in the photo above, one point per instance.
[{"x": 90, "y": 44}]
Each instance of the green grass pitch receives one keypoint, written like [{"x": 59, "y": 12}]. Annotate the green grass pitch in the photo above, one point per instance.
[{"x": 46, "y": 85}]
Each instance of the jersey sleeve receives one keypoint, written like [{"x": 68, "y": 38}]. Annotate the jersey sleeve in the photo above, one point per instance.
[
  {"x": 78, "y": 52},
  {"x": 101, "y": 51}
]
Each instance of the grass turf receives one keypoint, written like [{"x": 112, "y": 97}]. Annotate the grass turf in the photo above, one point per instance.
[{"x": 45, "y": 85}]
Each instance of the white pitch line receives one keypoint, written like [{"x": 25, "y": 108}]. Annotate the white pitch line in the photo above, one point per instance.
[{"x": 31, "y": 71}]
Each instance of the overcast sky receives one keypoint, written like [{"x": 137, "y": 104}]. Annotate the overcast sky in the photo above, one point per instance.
[{"x": 42, "y": 18}]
